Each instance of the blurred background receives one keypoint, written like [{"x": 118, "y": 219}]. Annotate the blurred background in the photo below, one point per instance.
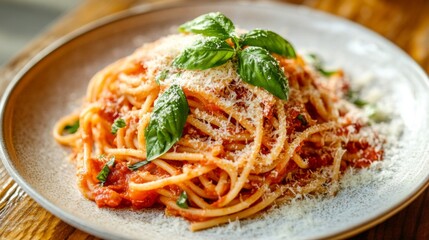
[
  {"x": 22, "y": 20},
  {"x": 405, "y": 22}
]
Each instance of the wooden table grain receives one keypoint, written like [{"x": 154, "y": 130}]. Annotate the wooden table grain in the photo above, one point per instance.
[{"x": 404, "y": 22}]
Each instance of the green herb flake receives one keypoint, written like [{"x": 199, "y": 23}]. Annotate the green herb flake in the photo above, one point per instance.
[
  {"x": 318, "y": 63},
  {"x": 257, "y": 67},
  {"x": 269, "y": 40},
  {"x": 161, "y": 76},
  {"x": 104, "y": 173},
  {"x": 117, "y": 124},
  {"x": 166, "y": 123},
  {"x": 182, "y": 201},
  {"x": 72, "y": 128},
  {"x": 204, "y": 54},
  {"x": 376, "y": 114},
  {"x": 211, "y": 24},
  {"x": 353, "y": 97},
  {"x": 138, "y": 165},
  {"x": 360, "y": 103},
  {"x": 302, "y": 119},
  {"x": 326, "y": 73}
]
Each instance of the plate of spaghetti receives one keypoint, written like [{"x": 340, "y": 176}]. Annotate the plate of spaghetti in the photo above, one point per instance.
[{"x": 206, "y": 120}]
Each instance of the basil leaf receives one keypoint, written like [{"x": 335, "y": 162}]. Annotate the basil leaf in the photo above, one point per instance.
[
  {"x": 138, "y": 165},
  {"x": 210, "y": 24},
  {"x": 204, "y": 54},
  {"x": 166, "y": 122},
  {"x": 72, "y": 128},
  {"x": 182, "y": 200},
  {"x": 257, "y": 67},
  {"x": 318, "y": 63},
  {"x": 269, "y": 40},
  {"x": 117, "y": 124},
  {"x": 102, "y": 175}
]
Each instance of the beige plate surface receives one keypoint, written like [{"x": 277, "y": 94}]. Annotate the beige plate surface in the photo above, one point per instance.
[{"x": 54, "y": 84}]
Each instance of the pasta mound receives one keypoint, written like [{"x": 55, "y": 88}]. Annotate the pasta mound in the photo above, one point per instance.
[{"x": 242, "y": 149}]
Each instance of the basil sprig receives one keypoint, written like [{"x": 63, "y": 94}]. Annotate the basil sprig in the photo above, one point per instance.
[
  {"x": 269, "y": 40},
  {"x": 211, "y": 24},
  {"x": 251, "y": 51},
  {"x": 166, "y": 123},
  {"x": 104, "y": 173},
  {"x": 204, "y": 54},
  {"x": 182, "y": 201},
  {"x": 257, "y": 67}
]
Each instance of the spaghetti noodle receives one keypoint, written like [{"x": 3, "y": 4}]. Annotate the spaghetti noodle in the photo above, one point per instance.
[{"x": 242, "y": 149}]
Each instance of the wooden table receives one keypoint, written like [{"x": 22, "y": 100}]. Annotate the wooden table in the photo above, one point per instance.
[{"x": 406, "y": 23}]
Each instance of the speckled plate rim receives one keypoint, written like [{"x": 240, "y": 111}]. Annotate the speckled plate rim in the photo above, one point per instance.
[{"x": 153, "y": 7}]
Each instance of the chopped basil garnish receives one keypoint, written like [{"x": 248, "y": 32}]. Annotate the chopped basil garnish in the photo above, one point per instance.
[
  {"x": 211, "y": 24},
  {"x": 166, "y": 123},
  {"x": 161, "y": 76},
  {"x": 117, "y": 124},
  {"x": 318, "y": 63},
  {"x": 72, "y": 128},
  {"x": 138, "y": 165},
  {"x": 302, "y": 119},
  {"x": 204, "y": 54},
  {"x": 376, "y": 114},
  {"x": 257, "y": 67},
  {"x": 360, "y": 103},
  {"x": 102, "y": 175},
  {"x": 353, "y": 96},
  {"x": 270, "y": 41},
  {"x": 326, "y": 73},
  {"x": 182, "y": 201}
]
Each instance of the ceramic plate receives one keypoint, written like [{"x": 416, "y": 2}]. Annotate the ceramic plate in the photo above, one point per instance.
[{"x": 54, "y": 84}]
